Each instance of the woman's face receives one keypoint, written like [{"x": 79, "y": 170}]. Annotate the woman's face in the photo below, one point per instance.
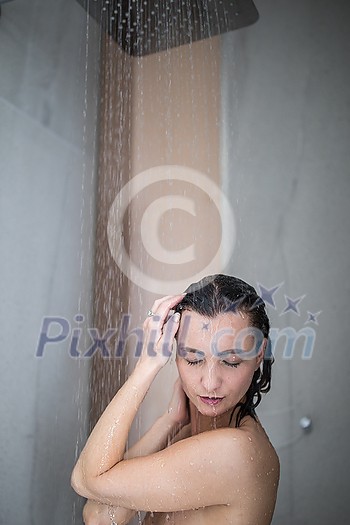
[{"x": 216, "y": 359}]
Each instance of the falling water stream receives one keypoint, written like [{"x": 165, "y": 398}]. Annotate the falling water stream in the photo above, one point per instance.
[{"x": 159, "y": 122}]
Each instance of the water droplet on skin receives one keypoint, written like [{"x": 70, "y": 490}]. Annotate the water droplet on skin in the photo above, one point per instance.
[
  {"x": 251, "y": 457},
  {"x": 191, "y": 464},
  {"x": 250, "y": 439}
]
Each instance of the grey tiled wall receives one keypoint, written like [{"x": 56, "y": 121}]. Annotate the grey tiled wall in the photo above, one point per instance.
[{"x": 47, "y": 180}]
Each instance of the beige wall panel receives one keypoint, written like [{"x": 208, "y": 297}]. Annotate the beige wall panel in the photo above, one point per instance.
[
  {"x": 157, "y": 111},
  {"x": 175, "y": 121}
]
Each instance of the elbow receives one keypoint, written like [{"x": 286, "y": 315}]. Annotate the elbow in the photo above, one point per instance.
[
  {"x": 78, "y": 482},
  {"x": 75, "y": 481}
]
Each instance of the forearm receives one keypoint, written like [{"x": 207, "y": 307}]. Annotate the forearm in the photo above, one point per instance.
[
  {"x": 106, "y": 444},
  {"x": 98, "y": 513},
  {"x": 156, "y": 438}
]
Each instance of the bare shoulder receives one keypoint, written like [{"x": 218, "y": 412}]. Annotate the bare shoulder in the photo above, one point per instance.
[
  {"x": 255, "y": 468},
  {"x": 248, "y": 451},
  {"x": 261, "y": 459},
  {"x": 199, "y": 471},
  {"x": 247, "y": 445},
  {"x": 248, "y": 465}
]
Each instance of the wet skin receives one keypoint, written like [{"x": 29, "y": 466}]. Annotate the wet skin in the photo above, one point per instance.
[
  {"x": 216, "y": 360},
  {"x": 215, "y": 378},
  {"x": 214, "y": 472}
]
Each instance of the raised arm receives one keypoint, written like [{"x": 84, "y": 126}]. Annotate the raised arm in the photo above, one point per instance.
[
  {"x": 165, "y": 429},
  {"x": 106, "y": 444},
  {"x": 182, "y": 476}
]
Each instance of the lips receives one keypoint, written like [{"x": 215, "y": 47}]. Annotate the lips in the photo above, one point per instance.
[{"x": 211, "y": 400}]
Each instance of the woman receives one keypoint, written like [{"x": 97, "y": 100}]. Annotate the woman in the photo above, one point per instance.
[{"x": 221, "y": 466}]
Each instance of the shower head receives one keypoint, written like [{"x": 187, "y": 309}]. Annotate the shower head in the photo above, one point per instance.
[{"x": 143, "y": 27}]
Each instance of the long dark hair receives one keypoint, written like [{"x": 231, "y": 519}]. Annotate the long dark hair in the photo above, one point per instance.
[{"x": 218, "y": 294}]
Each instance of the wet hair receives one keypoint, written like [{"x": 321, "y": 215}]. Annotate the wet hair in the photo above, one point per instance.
[{"x": 219, "y": 294}]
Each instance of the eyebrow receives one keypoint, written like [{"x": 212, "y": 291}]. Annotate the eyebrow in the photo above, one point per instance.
[
  {"x": 227, "y": 352},
  {"x": 188, "y": 350}
]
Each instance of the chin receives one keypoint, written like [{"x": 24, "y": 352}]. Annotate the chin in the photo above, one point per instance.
[{"x": 212, "y": 412}]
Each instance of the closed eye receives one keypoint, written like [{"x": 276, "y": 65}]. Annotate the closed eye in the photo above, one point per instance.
[
  {"x": 231, "y": 364},
  {"x": 194, "y": 362}
]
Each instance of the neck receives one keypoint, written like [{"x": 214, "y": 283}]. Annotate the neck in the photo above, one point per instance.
[{"x": 200, "y": 423}]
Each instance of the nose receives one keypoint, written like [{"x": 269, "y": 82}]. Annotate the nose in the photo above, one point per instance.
[{"x": 211, "y": 379}]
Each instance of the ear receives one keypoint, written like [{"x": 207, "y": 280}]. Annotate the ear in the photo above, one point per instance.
[{"x": 261, "y": 353}]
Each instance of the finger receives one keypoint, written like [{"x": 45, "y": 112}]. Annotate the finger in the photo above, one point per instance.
[
  {"x": 177, "y": 383},
  {"x": 166, "y": 340},
  {"x": 154, "y": 326},
  {"x": 162, "y": 307},
  {"x": 164, "y": 302},
  {"x": 176, "y": 389}
]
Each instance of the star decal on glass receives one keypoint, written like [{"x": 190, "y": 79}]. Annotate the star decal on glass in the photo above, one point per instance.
[
  {"x": 292, "y": 304},
  {"x": 312, "y": 318},
  {"x": 267, "y": 294}
]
